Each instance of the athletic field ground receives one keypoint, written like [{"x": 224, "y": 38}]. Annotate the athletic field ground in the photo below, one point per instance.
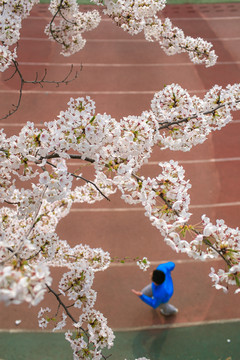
[{"x": 122, "y": 73}]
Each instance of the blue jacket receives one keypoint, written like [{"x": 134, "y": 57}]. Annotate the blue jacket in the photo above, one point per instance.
[{"x": 161, "y": 293}]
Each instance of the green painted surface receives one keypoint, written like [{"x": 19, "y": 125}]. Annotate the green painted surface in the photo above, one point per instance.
[
  {"x": 204, "y": 342},
  {"x": 34, "y": 346},
  {"x": 209, "y": 342}
]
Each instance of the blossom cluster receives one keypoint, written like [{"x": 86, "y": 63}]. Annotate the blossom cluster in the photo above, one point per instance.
[
  {"x": 135, "y": 16},
  {"x": 6, "y": 57},
  {"x": 68, "y": 24},
  {"x": 98, "y": 336},
  {"x": 12, "y": 13},
  {"x": 173, "y": 41},
  {"x": 91, "y": 333},
  {"x": 226, "y": 242},
  {"x": 185, "y": 121},
  {"x": 22, "y": 283},
  {"x": 143, "y": 264},
  {"x": 132, "y": 15}
]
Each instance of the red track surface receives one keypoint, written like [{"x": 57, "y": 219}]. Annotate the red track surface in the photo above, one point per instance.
[{"x": 121, "y": 73}]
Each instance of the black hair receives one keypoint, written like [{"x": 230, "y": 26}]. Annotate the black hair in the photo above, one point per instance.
[{"x": 158, "y": 277}]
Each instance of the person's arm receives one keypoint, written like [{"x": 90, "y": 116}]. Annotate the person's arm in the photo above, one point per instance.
[
  {"x": 138, "y": 293},
  {"x": 154, "y": 303},
  {"x": 148, "y": 300}
]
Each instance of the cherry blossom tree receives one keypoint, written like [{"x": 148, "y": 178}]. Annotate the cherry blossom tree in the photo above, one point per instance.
[{"x": 38, "y": 190}]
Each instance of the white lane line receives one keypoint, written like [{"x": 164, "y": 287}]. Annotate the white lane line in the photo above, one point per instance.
[
  {"x": 192, "y": 161},
  {"x": 227, "y": 204},
  {"x": 13, "y": 331},
  {"x": 25, "y": 38},
  {"x": 22, "y": 63},
  {"x": 234, "y": 122},
  {"x": 156, "y": 263},
  {"x": 178, "y": 325},
  {"x": 137, "y": 209},
  {"x": 79, "y": 92},
  {"x": 208, "y": 19},
  {"x": 139, "y": 328},
  {"x": 88, "y": 92},
  {"x": 186, "y": 162},
  {"x": 144, "y": 40},
  {"x": 107, "y": 210},
  {"x": 204, "y": 18},
  {"x": 199, "y": 161}
]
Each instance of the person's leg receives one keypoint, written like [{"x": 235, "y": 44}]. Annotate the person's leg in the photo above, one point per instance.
[
  {"x": 168, "y": 309},
  {"x": 147, "y": 290}
]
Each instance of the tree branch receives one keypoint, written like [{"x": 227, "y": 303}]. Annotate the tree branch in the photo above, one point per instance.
[
  {"x": 205, "y": 239},
  {"x": 72, "y": 156},
  {"x": 82, "y": 178},
  {"x": 57, "y": 296},
  {"x": 37, "y": 81},
  {"x": 166, "y": 125},
  {"x": 58, "y": 12}
]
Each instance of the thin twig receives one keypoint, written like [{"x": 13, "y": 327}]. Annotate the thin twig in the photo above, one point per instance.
[
  {"x": 82, "y": 178},
  {"x": 72, "y": 156},
  {"x": 166, "y": 125},
  {"x": 36, "y": 81},
  {"x": 59, "y": 12},
  {"x": 57, "y": 296}
]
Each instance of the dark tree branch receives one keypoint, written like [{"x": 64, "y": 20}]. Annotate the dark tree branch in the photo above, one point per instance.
[
  {"x": 82, "y": 178},
  {"x": 57, "y": 296},
  {"x": 166, "y": 124},
  {"x": 37, "y": 81},
  {"x": 59, "y": 12},
  {"x": 205, "y": 239},
  {"x": 60, "y": 303},
  {"x": 72, "y": 156}
]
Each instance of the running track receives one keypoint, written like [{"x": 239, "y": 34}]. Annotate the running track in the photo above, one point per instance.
[{"x": 121, "y": 73}]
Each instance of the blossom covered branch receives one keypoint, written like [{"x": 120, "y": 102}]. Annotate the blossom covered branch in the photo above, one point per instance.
[
  {"x": 68, "y": 24},
  {"x": 117, "y": 151}
]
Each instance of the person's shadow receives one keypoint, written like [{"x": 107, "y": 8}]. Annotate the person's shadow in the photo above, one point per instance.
[{"x": 149, "y": 343}]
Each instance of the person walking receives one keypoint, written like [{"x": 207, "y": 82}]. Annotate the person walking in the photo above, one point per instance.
[{"x": 159, "y": 292}]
